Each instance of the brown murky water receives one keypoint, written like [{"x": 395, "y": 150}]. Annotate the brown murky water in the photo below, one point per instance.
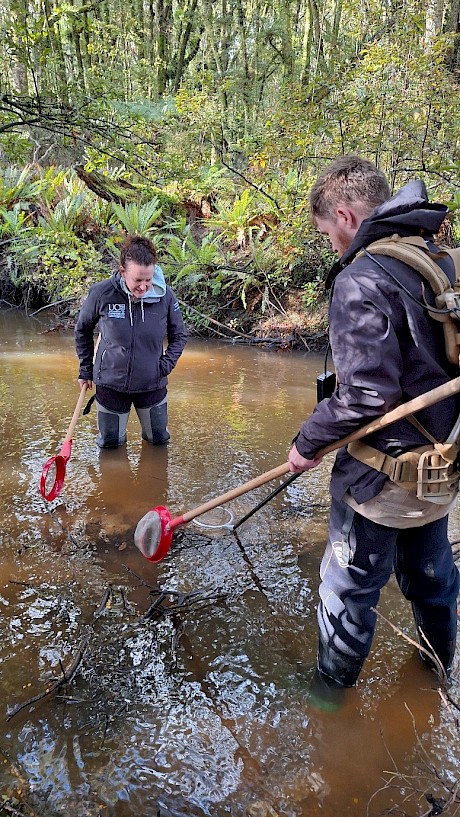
[{"x": 206, "y": 709}]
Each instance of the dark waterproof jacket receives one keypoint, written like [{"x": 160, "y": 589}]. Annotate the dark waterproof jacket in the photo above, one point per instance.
[
  {"x": 385, "y": 346},
  {"x": 130, "y": 357}
]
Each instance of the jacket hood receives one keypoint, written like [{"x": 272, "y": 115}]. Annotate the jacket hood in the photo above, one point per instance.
[
  {"x": 157, "y": 287},
  {"x": 408, "y": 212}
]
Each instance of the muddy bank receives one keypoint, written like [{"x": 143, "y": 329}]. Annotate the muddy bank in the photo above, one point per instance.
[{"x": 288, "y": 324}]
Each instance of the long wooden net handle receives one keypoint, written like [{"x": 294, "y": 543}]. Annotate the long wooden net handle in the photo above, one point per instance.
[
  {"x": 80, "y": 400},
  {"x": 76, "y": 414}
]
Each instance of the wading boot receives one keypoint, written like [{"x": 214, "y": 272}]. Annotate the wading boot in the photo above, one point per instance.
[
  {"x": 112, "y": 427},
  {"x": 325, "y": 694},
  {"x": 154, "y": 421},
  {"x": 337, "y": 669},
  {"x": 439, "y": 642}
]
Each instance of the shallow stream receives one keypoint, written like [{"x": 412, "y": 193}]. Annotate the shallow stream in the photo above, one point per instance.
[{"x": 203, "y": 706}]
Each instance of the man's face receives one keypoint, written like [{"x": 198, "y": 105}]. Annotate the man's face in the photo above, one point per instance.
[
  {"x": 137, "y": 277},
  {"x": 339, "y": 235}
]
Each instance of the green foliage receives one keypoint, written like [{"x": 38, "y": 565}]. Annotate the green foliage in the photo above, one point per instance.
[
  {"x": 235, "y": 221},
  {"x": 56, "y": 262},
  {"x": 56, "y": 183},
  {"x": 194, "y": 267},
  {"x": 13, "y": 221},
  {"x": 47, "y": 221},
  {"x": 209, "y": 182},
  {"x": 66, "y": 214},
  {"x": 16, "y": 186},
  {"x": 311, "y": 291},
  {"x": 453, "y": 203},
  {"x": 15, "y": 147},
  {"x": 214, "y": 111},
  {"x": 69, "y": 265},
  {"x": 137, "y": 219}
]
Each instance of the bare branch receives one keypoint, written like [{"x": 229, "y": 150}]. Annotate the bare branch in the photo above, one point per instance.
[
  {"x": 67, "y": 675},
  {"x": 430, "y": 653}
]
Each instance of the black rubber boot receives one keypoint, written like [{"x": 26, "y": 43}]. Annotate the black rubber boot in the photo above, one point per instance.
[
  {"x": 325, "y": 694},
  {"x": 112, "y": 427},
  {"x": 435, "y": 633},
  {"x": 154, "y": 421},
  {"x": 336, "y": 669}
]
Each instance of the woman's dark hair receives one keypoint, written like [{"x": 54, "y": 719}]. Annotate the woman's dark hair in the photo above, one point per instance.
[{"x": 138, "y": 249}]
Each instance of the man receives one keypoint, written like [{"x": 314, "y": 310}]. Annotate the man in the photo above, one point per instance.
[{"x": 386, "y": 350}]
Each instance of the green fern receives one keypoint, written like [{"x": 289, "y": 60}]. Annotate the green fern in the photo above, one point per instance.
[
  {"x": 17, "y": 186},
  {"x": 12, "y": 221},
  {"x": 138, "y": 219},
  {"x": 234, "y": 221},
  {"x": 195, "y": 263},
  {"x": 66, "y": 213}
]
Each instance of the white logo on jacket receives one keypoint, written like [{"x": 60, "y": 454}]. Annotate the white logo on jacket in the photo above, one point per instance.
[{"x": 117, "y": 310}]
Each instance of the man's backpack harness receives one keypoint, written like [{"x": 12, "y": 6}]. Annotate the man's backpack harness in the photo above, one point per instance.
[{"x": 432, "y": 470}]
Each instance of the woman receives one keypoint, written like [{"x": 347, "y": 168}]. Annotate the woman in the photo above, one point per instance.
[{"x": 136, "y": 311}]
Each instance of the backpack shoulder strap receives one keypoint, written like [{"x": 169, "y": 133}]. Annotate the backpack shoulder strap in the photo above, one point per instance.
[
  {"x": 414, "y": 252},
  {"x": 454, "y": 253}
]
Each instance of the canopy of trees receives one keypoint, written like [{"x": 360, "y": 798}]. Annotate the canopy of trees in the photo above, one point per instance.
[{"x": 221, "y": 113}]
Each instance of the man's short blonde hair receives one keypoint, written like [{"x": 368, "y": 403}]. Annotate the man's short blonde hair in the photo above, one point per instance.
[{"x": 348, "y": 180}]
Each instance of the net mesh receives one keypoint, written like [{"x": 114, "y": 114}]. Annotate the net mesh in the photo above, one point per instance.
[{"x": 147, "y": 535}]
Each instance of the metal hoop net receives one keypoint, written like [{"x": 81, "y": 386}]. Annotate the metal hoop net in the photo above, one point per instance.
[{"x": 219, "y": 517}]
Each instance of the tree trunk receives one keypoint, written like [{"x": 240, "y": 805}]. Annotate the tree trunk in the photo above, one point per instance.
[
  {"x": 75, "y": 29},
  {"x": 433, "y": 20},
  {"x": 84, "y": 43},
  {"x": 246, "y": 90},
  {"x": 286, "y": 39},
  {"x": 183, "y": 58},
  {"x": 58, "y": 52},
  {"x": 163, "y": 18},
  {"x": 218, "y": 51},
  {"x": 317, "y": 34},
  {"x": 19, "y": 82},
  {"x": 452, "y": 25},
  {"x": 306, "y": 46},
  {"x": 143, "y": 48}
]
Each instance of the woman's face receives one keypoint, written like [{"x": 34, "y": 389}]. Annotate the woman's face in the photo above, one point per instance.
[{"x": 137, "y": 277}]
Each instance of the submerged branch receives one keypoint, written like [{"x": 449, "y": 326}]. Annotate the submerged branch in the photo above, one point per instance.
[
  {"x": 171, "y": 602},
  {"x": 67, "y": 675},
  {"x": 103, "y": 602}
]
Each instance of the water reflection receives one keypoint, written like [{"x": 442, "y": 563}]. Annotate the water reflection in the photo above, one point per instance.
[
  {"x": 210, "y": 712},
  {"x": 125, "y": 484}
]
